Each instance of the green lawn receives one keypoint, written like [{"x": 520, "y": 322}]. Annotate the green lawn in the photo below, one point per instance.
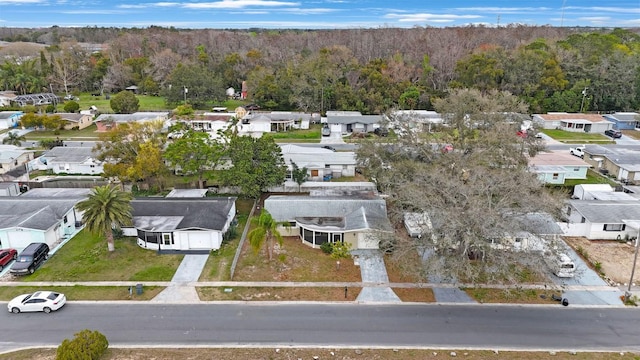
[
  {"x": 89, "y": 133},
  {"x": 77, "y": 292},
  {"x": 147, "y": 103},
  {"x": 85, "y": 258},
  {"x": 578, "y": 137},
  {"x": 593, "y": 177},
  {"x": 310, "y": 135}
]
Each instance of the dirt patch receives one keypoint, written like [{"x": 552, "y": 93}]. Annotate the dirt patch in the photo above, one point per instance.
[
  {"x": 294, "y": 261},
  {"x": 278, "y": 294},
  {"x": 615, "y": 258}
]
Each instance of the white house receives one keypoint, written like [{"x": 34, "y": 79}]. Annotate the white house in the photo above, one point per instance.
[
  {"x": 10, "y": 119},
  {"x": 13, "y": 157},
  {"x": 601, "y": 219},
  {"x": 557, "y": 166},
  {"x": 105, "y": 122},
  {"x": 356, "y": 220},
  {"x": 352, "y": 122},
  {"x": 320, "y": 163},
  {"x": 414, "y": 120},
  {"x": 573, "y": 122},
  {"x": 24, "y": 220},
  {"x": 70, "y": 160},
  {"x": 181, "y": 224},
  {"x": 9, "y": 189}
]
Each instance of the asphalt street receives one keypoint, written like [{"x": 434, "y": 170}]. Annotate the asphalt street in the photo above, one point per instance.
[{"x": 337, "y": 325}]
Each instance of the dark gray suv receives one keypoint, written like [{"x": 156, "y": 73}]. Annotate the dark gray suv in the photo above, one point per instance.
[
  {"x": 613, "y": 133},
  {"x": 30, "y": 259}
]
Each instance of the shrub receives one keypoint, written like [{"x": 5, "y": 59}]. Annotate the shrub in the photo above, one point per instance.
[
  {"x": 50, "y": 109},
  {"x": 341, "y": 250},
  {"x": 327, "y": 248},
  {"x": 86, "y": 345},
  {"x": 71, "y": 106}
]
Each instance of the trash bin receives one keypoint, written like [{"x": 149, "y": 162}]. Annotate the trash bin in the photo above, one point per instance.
[{"x": 139, "y": 289}]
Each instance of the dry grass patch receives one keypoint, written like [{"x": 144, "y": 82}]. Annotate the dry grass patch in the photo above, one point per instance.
[
  {"x": 415, "y": 294},
  {"x": 511, "y": 296},
  {"x": 294, "y": 261},
  {"x": 278, "y": 294},
  {"x": 342, "y": 354},
  {"x": 77, "y": 292}
]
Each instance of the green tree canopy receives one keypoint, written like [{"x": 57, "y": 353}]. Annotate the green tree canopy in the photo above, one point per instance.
[
  {"x": 124, "y": 102},
  {"x": 265, "y": 231},
  {"x": 257, "y": 164}
]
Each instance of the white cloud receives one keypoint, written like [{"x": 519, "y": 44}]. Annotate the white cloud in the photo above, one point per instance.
[
  {"x": 21, "y": 2},
  {"x": 504, "y": 9},
  {"x": 597, "y": 9},
  {"x": 439, "y": 18},
  {"x": 237, "y": 4}
]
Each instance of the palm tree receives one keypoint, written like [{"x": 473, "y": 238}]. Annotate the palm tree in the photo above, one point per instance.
[
  {"x": 107, "y": 208},
  {"x": 13, "y": 138},
  {"x": 265, "y": 231}
]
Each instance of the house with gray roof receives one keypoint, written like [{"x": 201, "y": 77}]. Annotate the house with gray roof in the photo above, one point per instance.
[
  {"x": 13, "y": 157},
  {"x": 573, "y": 122},
  {"x": 601, "y": 219},
  {"x": 356, "y": 220},
  {"x": 347, "y": 122},
  {"x": 24, "y": 220},
  {"x": 622, "y": 163},
  {"x": 76, "y": 120},
  {"x": 70, "y": 160},
  {"x": 624, "y": 120},
  {"x": 181, "y": 224},
  {"x": 105, "y": 122},
  {"x": 319, "y": 162}
]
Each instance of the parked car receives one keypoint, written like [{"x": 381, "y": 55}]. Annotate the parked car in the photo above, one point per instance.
[
  {"x": 30, "y": 259},
  {"x": 613, "y": 133},
  {"x": 46, "y": 301},
  {"x": 7, "y": 256},
  {"x": 326, "y": 131},
  {"x": 381, "y": 131},
  {"x": 329, "y": 147}
]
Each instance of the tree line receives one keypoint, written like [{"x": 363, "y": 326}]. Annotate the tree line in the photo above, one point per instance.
[{"x": 368, "y": 70}]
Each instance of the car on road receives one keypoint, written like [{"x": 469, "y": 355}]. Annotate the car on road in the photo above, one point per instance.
[
  {"x": 7, "y": 256},
  {"x": 613, "y": 133},
  {"x": 46, "y": 301},
  {"x": 329, "y": 147},
  {"x": 30, "y": 259}
]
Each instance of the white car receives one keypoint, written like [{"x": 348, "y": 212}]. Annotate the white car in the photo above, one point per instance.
[{"x": 46, "y": 301}]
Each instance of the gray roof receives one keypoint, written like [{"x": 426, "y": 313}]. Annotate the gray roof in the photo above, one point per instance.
[
  {"x": 624, "y": 116},
  {"x": 65, "y": 193},
  {"x": 10, "y": 155},
  {"x": 540, "y": 223},
  {"x": 69, "y": 154},
  {"x": 288, "y": 116},
  {"x": 627, "y": 158},
  {"x": 607, "y": 212},
  {"x": 72, "y": 117},
  {"x": 345, "y": 213},
  {"x": 33, "y": 213},
  {"x": 165, "y": 214},
  {"x": 139, "y": 116},
  {"x": 190, "y": 193},
  {"x": 364, "y": 119}
]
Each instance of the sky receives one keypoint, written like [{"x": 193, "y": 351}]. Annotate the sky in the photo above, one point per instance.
[{"x": 317, "y": 14}]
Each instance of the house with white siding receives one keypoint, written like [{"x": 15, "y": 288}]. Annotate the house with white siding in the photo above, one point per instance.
[
  {"x": 601, "y": 219},
  {"x": 555, "y": 167}
]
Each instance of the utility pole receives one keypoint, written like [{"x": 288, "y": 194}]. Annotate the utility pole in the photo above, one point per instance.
[
  {"x": 584, "y": 95},
  {"x": 185, "y": 95}
]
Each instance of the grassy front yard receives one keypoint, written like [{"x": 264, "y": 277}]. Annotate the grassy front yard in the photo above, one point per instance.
[
  {"x": 97, "y": 293},
  {"x": 85, "y": 258},
  {"x": 593, "y": 177},
  {"x": 578, "y": 137},
  {"x": 88, "y": 133},
  {"x": 147, "y": 103}
]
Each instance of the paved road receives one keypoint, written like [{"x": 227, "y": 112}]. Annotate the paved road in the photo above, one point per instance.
[{"x": 315, "y": 324}]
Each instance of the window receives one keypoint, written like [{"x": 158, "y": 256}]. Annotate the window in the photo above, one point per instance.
[
  {"x": 583, "y": 220},
  {"x": 555, "y": 176},
  {"x": 65, "y": 219},
  {"x": 292, "y": 223},
  {"x": 327, "y": 166},
  {"x": 576, "y": 169},
  {"x": 579, "y": 126},
  {"x": 614, "y": 227},
  {"x": 167, "y": 239}
]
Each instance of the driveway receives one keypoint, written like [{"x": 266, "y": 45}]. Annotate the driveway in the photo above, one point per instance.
[{"x": 334, "y": 138}]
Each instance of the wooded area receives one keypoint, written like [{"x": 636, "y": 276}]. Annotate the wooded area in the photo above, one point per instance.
[{"x": 368, "y": 70}]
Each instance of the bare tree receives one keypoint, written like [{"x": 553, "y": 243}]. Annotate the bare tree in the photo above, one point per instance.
[{"x": 472, "y": 181}]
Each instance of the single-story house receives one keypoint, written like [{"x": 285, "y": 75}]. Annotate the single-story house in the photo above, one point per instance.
[
  {"x": 188, "y": 193},
  {"x": 181, "y": 223},
  {"x": 601, "y": 219},
  {"x": 72, "y": 120},
  {"x": 356, "y": 220},
  {"x": 319, "y": 162},
  {"x": 556, "y": 166},
  {"x": 254, "y": 125},
  {"x": 10, "y": 119},
  {"x": 12, "y": 157},
  {"x": 70, "y": 160},
  {"x": 105, "y": 122},
  {"x": 414, "y": 120},
  {"x": 620, "y": 162},
  {"x": 6, "y": 97},
  {"x": 39, "y": 219},
  {"x": 574, "y": 122},
  {"x": 283, "y": 120},
  {"x": 624, "y": 120},
  {"x": 352, "y": 122}
]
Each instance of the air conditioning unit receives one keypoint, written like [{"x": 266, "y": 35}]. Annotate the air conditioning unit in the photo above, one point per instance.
[{"x": 78, "y": 224}]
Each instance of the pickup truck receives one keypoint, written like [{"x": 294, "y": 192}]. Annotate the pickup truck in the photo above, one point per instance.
[{"x": 577, "y": 151}]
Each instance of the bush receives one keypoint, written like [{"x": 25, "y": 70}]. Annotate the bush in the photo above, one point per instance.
[
  {"x": 327, "y": 248},
  {"x": 86, "y": 345},
  {"x": 124, "y": 102},
  {"x": 50, "y": 109},
  {"x": 341, "y": 250},
  {"x": 71, "y": 106}
]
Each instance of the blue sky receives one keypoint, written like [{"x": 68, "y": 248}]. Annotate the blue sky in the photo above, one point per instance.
[{"x": 317, "y": 14}]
